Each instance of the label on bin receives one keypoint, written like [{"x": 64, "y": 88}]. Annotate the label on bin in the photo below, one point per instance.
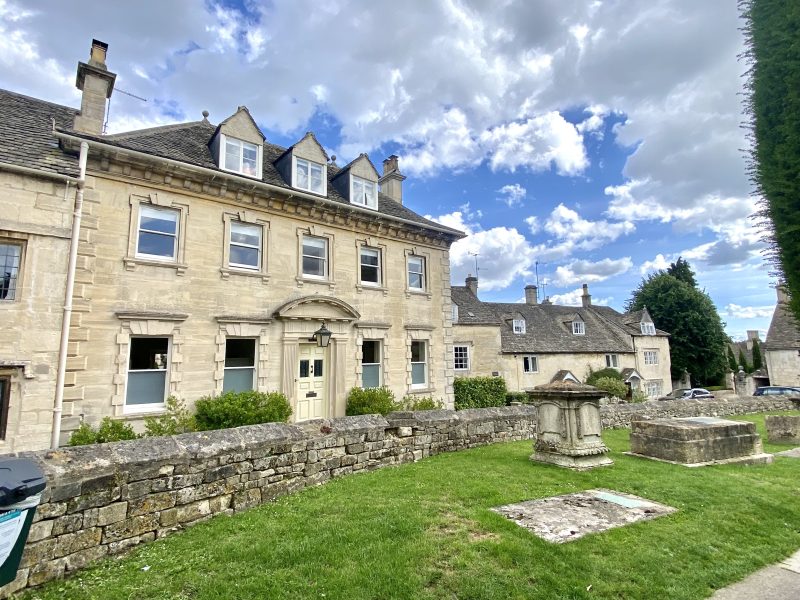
[{"x": 11, "y": 523}]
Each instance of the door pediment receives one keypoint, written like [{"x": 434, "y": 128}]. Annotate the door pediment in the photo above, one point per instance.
[{"x": 326, "y": 308}]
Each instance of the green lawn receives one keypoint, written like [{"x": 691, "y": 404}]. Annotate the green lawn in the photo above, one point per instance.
[{"x": 425, "y": 531}]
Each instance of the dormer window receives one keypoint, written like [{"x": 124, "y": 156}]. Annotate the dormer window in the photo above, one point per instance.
[
  {"x": 309, "y": 176},
  {"x": 648, "y": 328},
  {"x": 363, "y": 192},
  {"x": 242, "y": 157},
  {"x": 518, "y": 325},
  {"x": 578, "y": 328}
]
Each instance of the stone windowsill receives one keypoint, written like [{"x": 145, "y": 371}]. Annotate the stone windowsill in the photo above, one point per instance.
[
  {"x": 131, "y": 262},
  {"x": 226, "y": 272}
]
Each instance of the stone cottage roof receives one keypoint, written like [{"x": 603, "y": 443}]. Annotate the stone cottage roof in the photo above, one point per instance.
[
  {"x": 784, "y": 332},
  {"x": 27, "y": 140},
  {"x": 548, "y": 326}
]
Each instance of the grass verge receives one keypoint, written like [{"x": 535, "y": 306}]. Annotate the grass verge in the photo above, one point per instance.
[{"x": 425, "y": 531}]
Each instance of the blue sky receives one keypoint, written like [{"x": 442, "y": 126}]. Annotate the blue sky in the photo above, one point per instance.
[{"x": 593, "y": 141}]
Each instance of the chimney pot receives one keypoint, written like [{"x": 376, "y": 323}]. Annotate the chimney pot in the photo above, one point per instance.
[
  {"x": 586, "y": 298},
  {"x": 531, "y": 294},
  {"x": 472, "y": 284},
  {"x": 97, "y": 54},
  {"x": 391, "y": 181}
]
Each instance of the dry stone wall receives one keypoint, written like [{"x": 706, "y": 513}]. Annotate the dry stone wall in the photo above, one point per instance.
[{"x": 103, "y": 499}]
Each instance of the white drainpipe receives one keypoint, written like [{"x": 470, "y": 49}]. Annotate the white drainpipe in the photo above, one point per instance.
[{"x": 65, "y": 323}]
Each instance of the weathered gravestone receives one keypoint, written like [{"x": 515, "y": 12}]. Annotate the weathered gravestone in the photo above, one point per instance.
[
  {"x": 783, "y": 428},
  {"x": 568, "y": 426},
  {"x": 697, "y": 441}
]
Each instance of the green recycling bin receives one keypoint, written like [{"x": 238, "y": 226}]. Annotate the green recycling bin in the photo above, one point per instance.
[{"x": 21, "y": 485}]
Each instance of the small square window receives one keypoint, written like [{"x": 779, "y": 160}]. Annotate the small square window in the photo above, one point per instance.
[
  {"x": 370, "y": 266},
  {"x": 371, "y": 364},
  {"x": 245, "y": 246},
  {"x": 315, "y": 257},
  {"x": 578, "y": 328},
  {"x": 240, "y": 365},
  {"x": 363, "y": 192},
  {"x": 416, "y": 273},
  {"x": 309, "y": 176},
  {"x": 651, "y": 357},
  {"x": 612, "y": 360},
  {"x": 158, "y": 233},
  {"x": 461, "y": 358},
  {"x": 519, "y": 326},
  {"x": 530, "y": 364},
  {"x": 148, "y": 365},
  {"x": 648, "y": 328},
  {"x": 241, "y": 157},
  {"x": 419, "y": 364},
  {"x": 9, "y": 270}
]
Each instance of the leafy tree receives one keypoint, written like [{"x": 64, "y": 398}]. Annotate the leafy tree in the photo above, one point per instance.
[
  {"x": 757, "y": 362},
  {"x": 698, "y": 340},
  {"x": 734, "y": 366},
  {"x": 773, "y": 106},
  {"x": 681, "y": 270},
  {"x": 743, "y": 361}
]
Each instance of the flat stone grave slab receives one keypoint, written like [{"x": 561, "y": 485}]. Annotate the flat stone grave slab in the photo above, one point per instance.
[
  {"x": 793, "y": 453},
  {"x": 697, "y": 441},
  {"x": 561, "y": 519}
]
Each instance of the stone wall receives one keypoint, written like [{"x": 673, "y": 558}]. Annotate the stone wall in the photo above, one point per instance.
[
  {"x": 619, "y": 415},
  {"x": 104, "y": 499}
]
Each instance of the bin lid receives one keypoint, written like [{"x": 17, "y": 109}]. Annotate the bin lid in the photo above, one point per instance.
[{"x": 20, "y": 478}]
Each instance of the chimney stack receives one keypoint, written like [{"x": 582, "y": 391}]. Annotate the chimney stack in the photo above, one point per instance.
[
  {"x": 96, "y": 82},
  {"x": 472, "y": 284},
  {"x": 531, "y": 294},
  {"x": 391, "y": 181},
  {"x": 586, "y": 298}
]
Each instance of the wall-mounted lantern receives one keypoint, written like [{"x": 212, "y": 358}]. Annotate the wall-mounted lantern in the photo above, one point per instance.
[{"x": 322, "y": 336}]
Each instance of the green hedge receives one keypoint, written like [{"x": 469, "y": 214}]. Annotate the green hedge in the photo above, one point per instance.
[
  {"x": 234, "y": 409},
  {"x": 421, "y": 403},
  {"x": 479, "y": 392},
  {"x": 612, "y": 386},
  {"x": 110, "y": 430},
  {"x": 607, "y": 372},
  {"x": 517, "y": 397},
  {"x": 371, "y": 401}
]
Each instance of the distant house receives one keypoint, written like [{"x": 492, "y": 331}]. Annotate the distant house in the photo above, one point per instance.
[
  {"x": 782, "y": 346},
  {"x": 759, "y": 376},
  {"x": 530, "y": 344}
]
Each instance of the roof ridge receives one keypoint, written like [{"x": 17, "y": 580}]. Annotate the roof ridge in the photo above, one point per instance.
[
  {"x": 39, "y": 100},
  {"x": 137, "y": 133}
]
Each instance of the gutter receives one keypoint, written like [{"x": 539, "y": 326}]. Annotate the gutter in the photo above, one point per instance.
[
  {"x": 37, "y": 173},
  {"x": 67, "y": 319},
  {"x": 251, "y": 182}
]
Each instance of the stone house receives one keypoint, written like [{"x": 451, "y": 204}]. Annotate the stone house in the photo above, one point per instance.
[
  {"x": 781, "y": 349},
  {"x": 532, "y": 343},
  {"x": 207, "y": 259}
]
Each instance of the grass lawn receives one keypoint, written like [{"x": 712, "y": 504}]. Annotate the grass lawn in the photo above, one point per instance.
[{"x": 425, "y": 531}]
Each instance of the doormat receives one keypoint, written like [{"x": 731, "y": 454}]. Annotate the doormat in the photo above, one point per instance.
[{"x": 561, "y": 519}]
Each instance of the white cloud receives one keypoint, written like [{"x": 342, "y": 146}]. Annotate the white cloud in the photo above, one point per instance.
[
  {"x": 748, "y": 312},
  {"x": 585, "y": 271},
  {"x": 533, "y": 224},
  {"x": 660, "y": 262},
  {"x": 512, "y": 195}
]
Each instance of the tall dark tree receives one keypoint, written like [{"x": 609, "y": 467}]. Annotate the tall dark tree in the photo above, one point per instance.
[
  {"x": 773, "y": 105},
  {"x": 743, "y": 361},
  {"x": 680, "y": 269},
  {"x": 697, "y": 338},
  {"x": 732, "y": 364},
  {"x": 757, "y": 362}
]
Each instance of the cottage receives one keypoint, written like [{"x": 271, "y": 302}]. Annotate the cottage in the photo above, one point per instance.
[
  {"x": 532, "y": 343},
  {"x": 782, "y": 346},
  {"x": 204, "y": 259}
]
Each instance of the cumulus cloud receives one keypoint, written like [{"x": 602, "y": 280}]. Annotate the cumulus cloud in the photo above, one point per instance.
[
  {"x": 747, "y": 312},
  {"x": 512, "y": 195},
  {"x": 660, "y": 262},
  {"x": 586, "y": 271}
]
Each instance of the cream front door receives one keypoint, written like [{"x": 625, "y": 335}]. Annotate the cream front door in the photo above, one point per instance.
[{"x": 311, "y": 374}]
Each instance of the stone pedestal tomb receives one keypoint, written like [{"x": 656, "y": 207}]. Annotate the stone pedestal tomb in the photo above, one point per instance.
[
  {"x": 568, "y": 426},
  {"x": 697, "y": 441}
]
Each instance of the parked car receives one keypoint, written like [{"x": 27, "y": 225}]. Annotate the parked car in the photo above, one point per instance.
[
  {"x": 684, "y": 393},
  {"x": 776, "y": 390}
]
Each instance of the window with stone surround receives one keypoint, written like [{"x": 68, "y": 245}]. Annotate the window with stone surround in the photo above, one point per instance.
[
  {"x": 416, "y": 273},
  {"x": 578, "y": 328},
  {"x": 363, "y": 192},
  {"x": 370, "y": 268},
  {"x": 518, "y": 325},
  {"x": 240, "y": 365},
  {"x": 530, "y": 364},
  {"x": 419, "y": 364},
  {"x": 245, "y": 246},
  {"x": 148, "y": 368},
  {"x": 157, "y": 233},
  {"x": 612, "y": 360},
  {"x": 461, "y": 357},
  {"x": 371, "y": 364},
  {"x": 315, "y": 257},
  {"x": 241, "y": 157},
  {"x": 651, "y": 357},
  {"x": 652, "y": 388},
  {"x": 10, "y": 261},
  {"x": 309, "y": 176}
]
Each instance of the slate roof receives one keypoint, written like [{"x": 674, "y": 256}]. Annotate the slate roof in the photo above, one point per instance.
[
  {"x": 547, "y": 326},
  {"x": 784, "y": 332},
  {"x": 27, "y": 139}
]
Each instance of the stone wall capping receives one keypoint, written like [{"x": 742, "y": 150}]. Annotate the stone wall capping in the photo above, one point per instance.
[{"x": 207, "y": 444}]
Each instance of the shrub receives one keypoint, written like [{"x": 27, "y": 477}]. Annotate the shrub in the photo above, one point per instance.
[
  {"x": 639, "y": 396},
  {"x": 423, "y": 403},
  {"x": 517, "y": 397},
  {"x": 479, "y": 392},
  {"x": 372, "y": 401},
  {"x": 608, "y": 372},
  {"x": 177, "y": 419},
  {"x": 234, "y": 409},
  {"x": 613, "y": 387},
  {"x": 110, "y": 430}
]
